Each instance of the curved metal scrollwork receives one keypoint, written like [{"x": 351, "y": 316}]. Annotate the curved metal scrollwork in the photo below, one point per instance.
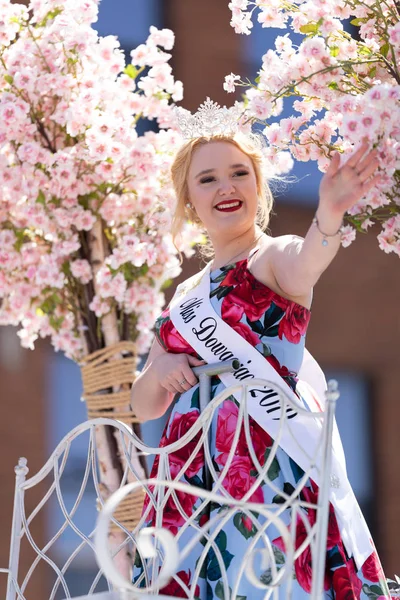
[{"x": 160, "y": 551}]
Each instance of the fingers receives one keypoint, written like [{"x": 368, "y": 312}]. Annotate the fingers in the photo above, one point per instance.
[
  {"x": 361, "y": 167},
  {"x": 357, "y": 155},
  {"x": 177, "y": 384},
  {"x": 189, "y": 376},
  {"x": 368, "y": 166},
  {"x": 179, "y": 376},
  {"x": 333, "y": 165},
  {"x": 371, "y": 183},
  {"x": 186, "y": 379},
  {"x": 194, "y": 361}
]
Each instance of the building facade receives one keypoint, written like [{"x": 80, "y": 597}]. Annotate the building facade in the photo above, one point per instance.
[{"x": 355, "y": 323}]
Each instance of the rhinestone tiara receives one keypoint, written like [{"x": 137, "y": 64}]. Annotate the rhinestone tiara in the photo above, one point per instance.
[{"x": 210, "y": 119}]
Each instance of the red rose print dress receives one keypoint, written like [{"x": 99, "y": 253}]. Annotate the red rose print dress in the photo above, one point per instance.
[{"x": 276, "y": 327}]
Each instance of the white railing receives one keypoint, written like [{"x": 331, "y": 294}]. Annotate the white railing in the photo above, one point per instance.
[{"x": 160, "y": 551}]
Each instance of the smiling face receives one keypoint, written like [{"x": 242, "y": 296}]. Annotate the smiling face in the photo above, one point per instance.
[{"x": 222, "y": 188}]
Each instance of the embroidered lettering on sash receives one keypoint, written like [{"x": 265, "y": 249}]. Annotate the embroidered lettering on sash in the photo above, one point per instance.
[
  {"x": 188, "y": 307},
  {"x": 274, "y": 405},
  {"x": 206, "y": 334}
]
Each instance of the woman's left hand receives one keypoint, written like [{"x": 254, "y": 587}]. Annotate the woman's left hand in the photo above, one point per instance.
[{"x": 343, "y": 186}]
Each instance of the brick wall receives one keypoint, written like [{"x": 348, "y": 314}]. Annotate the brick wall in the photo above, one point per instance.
[{"x": 22, "y": 433}]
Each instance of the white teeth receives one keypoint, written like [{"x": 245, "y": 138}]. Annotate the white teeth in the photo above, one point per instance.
[{"x": 231, "y": 205}]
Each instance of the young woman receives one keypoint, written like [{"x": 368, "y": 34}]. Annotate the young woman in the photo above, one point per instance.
[{"x": 259, "y": 288}]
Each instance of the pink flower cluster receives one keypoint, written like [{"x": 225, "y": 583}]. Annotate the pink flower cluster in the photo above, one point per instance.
[
  {"x": 345, "y": 90},
  {"x": 71, "y": 162}
]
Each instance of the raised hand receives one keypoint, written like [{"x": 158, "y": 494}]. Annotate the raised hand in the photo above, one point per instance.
[{"x": 343, "y": 186}]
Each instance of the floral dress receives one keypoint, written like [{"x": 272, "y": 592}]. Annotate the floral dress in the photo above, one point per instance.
[{"x": 276, "y": 327}]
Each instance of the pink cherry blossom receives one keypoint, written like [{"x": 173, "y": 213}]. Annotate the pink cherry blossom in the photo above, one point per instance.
[
  {"x": 348, "y": 235},
  {"x": 82, "y": 270},
  {"x": 73, "y": 168},
  {"x": 343, "y": 89},
  {"x": 229, "y": 85},
  {"x": 162, "y": 37}
]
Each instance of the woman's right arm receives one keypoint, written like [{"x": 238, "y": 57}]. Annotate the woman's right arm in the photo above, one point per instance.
[{"x": 161, "y": 377}]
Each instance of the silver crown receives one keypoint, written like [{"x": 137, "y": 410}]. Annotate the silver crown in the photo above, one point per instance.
[{"x": 210, "y": 119}]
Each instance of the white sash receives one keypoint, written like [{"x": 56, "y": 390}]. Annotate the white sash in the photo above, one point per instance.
[{"x": 196, "y": 320}]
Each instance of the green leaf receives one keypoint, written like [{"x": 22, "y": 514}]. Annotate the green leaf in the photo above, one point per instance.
[
  {"x": 357, "y": 22},
  {"x": 296, "y": 470},
  {"x": 273, "y": 315},
  {"x": 203, "y": 570},
  {"x": 334, "y": 558},
  {"x": 221, "y": 292},
  {"x": 279, "y": 556},
  {"x": 56, "y": 201},
  {"x": 166, "y": 284},
  {"x": 240, "y": 526},
  {"x": 138, "y": 561},
  {"x": 50, "y": 303},
  {"x": 196, "y": 481},
  {"x": 278, "y": 499},
  {"x": 132, "y": 273},
  {"x": 376, "y": 589},
  {"x": 56, "y": 322},
  {"x": 364, "y": 50},
  {"x": 274, "y": 469},
  {"x": 309, "y": 28},
  {"x": 384, "y": 49},
  {"x": 195, "y": 401},
  {"x": 256, "y": 326},
  {"x": 84, "y": 199},
  {"x": 210, "y": 565},
  {"x": 66, "y": 268},
  {"x": 218, "y": 279},
  {"x": 334, "y": 50},
  {"x": 266, "y": 350},
  {"x": 41, "y": 198},
  {"x": 373, "y": 592},
  {"x": 372, "y": 72},
  {"x": 221, "y": 540},
  {"x": 219, "y": 590},
  {"x": 271, "y": 331},
  {"x": 213, "y": 570},
  {"x": 131, "y": 71},
  {"x": 333, "y": 85},
  {"x": 9, "y": 79},
  {"x": 50, "y": 15},
  {"x": 288, "y": 489},
  {"x": 19, "y": 242}
]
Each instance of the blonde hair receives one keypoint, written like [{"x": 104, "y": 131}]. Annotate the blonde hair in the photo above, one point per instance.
[{"x": 180, "y": 170}]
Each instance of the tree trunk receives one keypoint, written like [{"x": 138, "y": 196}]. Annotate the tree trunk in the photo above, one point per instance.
[{"x": 110, "y": 454}]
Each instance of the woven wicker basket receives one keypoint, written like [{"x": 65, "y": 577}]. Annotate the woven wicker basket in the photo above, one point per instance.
[{"x": 107, "y": 377}]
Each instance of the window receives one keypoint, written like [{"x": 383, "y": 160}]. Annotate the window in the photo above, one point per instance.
[
  {"x": 129, "y": 20},
  {"x": 354, "y": 423}
]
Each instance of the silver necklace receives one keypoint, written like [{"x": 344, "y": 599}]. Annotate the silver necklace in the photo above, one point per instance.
[{"x": 239, "y": 253}]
